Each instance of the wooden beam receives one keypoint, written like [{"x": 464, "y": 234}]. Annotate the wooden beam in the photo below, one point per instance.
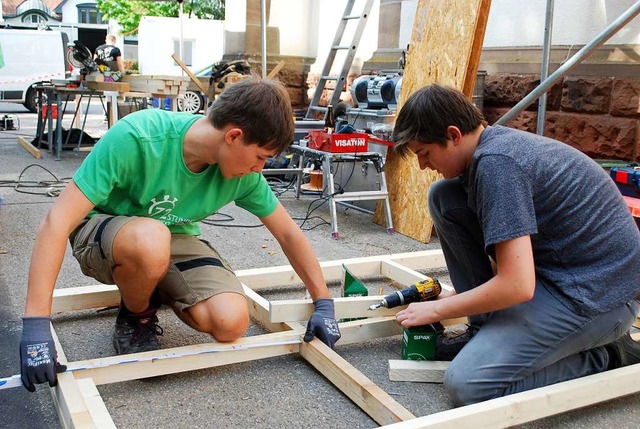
[
  {"x": 276, "y": 69},
  {"x": 97, "y": 409},
  {"x": 29, "y": 147},
  {"x": 259, "y": 311},
  {"x": 445, "y": 47},
  {"x": 293, "y": 310},
  {"x": 193, "y": 77},
  {"x": 68, "y": 399},
  {"x": 81, "y": 298},
  {"x": 99, "y": 296},
  {"x": 365, "y": 393},
  {"x": 400, "y": 273},
  {"x": 135, "y": 366},
  {"x": 356, "y": 331},
  {"x": 422, "y": 371},
  {"x": 534, "y": 404}
]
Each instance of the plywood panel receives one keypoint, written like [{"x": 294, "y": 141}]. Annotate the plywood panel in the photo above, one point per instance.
[{"x": 445, "y": 48}]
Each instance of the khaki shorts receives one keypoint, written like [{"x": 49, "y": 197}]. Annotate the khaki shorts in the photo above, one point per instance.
[{"x": 196, "y": 271}]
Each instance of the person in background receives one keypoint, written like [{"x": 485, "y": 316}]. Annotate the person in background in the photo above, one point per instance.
[
  {"x": 109, "y": 55},
  {"x": 132, "y": 213},
  {"x": 542, "y": 251}
]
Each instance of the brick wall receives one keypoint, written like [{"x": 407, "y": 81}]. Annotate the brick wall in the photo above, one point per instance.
[{"x": 597, "y": 115}]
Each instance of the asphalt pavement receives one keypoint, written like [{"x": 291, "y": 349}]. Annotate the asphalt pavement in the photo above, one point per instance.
[{"x": 283, "y": 392}]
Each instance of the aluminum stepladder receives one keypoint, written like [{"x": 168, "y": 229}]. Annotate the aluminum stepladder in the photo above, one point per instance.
[{"x": 336, "y": 46}]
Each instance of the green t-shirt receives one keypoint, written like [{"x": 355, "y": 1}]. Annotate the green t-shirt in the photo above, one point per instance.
[{"x": 138, "y": 169}]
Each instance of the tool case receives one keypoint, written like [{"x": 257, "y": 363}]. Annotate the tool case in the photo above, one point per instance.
[{"x": 627, "y": 179}]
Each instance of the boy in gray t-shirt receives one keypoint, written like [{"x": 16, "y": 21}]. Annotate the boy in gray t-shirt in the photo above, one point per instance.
[{"x": 543, "y": 253}]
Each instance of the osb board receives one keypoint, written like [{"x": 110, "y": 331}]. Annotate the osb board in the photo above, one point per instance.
[{"x": 445, "y": 48}]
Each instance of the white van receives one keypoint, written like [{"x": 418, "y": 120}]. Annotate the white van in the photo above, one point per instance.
[{"x": 30, "y": 57}]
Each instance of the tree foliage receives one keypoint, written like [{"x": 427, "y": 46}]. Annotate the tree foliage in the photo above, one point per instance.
[{"x": 129, "y": 12}]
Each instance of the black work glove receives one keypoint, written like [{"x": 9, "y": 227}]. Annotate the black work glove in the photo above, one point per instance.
[
  {"x": 322, "y": 323},
  {"x": 38, "y": 354}
]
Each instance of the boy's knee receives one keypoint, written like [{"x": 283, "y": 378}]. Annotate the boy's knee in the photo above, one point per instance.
[
  {"x": 226, "y": 319},
  {"x": 462, "y": 388},
  {"x": 228, "y": 330}
]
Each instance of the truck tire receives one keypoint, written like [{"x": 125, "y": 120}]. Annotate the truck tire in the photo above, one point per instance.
[{"x": 31, "y": 100}]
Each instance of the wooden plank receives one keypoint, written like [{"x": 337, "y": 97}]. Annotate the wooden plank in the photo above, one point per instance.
[
  {"x": 365, "y": 393},
  {"x": 276, "y": 69},
  {"x": 68, "y": 400},
  {"x": 259, "y": 311},
  {"x": 134, "y": 366},
  {"x": 97, "y": 409},
  {"x": 534, "y": 404},
  {"x": 29, "y": 147},
  {"x": 193, "y": 77},
  {"x": 80, "y": 298},
  {"x": 446, "y": 43},
  {"x": 356, "y": 331},
  {"x": 421, "y": 371},
  {"x": 97, "y": 296},
  {"x": 293, "y": 310},
  {"x": 399, "y": 273},
  {"x": 262, "y": 278},
  {"x": 109, "y": 86}
]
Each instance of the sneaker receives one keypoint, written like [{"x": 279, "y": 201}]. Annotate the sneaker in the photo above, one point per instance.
[
  {"x": 623, "y": 352},
  {"x": 136, "y": 334},
  {"x": 452, "y": 340}
]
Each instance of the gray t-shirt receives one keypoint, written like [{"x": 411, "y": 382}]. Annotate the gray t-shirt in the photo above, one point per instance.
[{"x": 586, "y": 246}]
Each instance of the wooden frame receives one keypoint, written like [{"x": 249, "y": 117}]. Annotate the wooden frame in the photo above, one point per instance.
[{"x": 79, "y": 404}]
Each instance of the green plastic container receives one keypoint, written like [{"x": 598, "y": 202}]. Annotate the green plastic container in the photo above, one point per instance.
[
  {"x": 419, "y": 343},
  {"x": 351, "y": 286}
]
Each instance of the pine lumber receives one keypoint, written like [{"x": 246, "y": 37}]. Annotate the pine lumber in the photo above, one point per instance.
[{"x": 29, "y": 147}]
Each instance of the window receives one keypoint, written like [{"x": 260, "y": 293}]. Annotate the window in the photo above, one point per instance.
[
  {"x": 33, "y": 18},
  {"x": 187, "y": 53},
  {"x": 89, "y": 14}
]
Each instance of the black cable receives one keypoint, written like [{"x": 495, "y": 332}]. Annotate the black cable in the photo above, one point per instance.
[{"x": 53, "y": 187}]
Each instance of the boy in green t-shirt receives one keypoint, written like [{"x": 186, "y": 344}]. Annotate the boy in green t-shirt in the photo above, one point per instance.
[{"x": 131, "y": 214}]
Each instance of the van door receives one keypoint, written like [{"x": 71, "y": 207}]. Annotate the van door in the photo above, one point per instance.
[{"x": 30, "y": 57}]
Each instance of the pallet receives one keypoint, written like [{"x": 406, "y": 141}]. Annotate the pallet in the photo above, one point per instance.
[{"x": 79, "y": 404}]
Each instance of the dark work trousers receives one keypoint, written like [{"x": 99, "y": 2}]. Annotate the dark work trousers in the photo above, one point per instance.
[{"x": 529, "y": 345}]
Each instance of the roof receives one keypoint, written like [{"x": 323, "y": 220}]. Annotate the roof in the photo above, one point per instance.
[{"x": 10, "y": 7}]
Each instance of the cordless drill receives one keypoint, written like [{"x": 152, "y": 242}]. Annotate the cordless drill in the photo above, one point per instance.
[{"x": 423, "y": 290}]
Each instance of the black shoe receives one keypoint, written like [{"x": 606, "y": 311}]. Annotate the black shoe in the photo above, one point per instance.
[
  {"x": 136, "y": 334},
  {"x": 623, "y": 352},
  {"x": 451, "y": 341}
]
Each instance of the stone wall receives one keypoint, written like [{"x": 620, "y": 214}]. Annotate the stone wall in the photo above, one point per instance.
[{"x": 597, "y": 115}]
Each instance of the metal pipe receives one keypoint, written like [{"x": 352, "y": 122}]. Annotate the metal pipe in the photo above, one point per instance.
[
  {"x": 544, "y": 71},
  {"x": 263, "y": 25},
  {"x": 613, "y": 28}
]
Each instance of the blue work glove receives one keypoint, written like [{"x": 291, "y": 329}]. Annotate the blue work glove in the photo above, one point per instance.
[
  {"x": 322, "y": 323},
  {"x": 38, "y": 354}
]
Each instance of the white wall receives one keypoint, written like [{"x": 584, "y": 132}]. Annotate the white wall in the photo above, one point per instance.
[
  {"x": 521, "y": 23},
  {"x": 156, "y": 37},
  {"x": 70, "y": 10},
  {"x": 328, "y": 13},
  {"x": 307, "y": 27}
]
